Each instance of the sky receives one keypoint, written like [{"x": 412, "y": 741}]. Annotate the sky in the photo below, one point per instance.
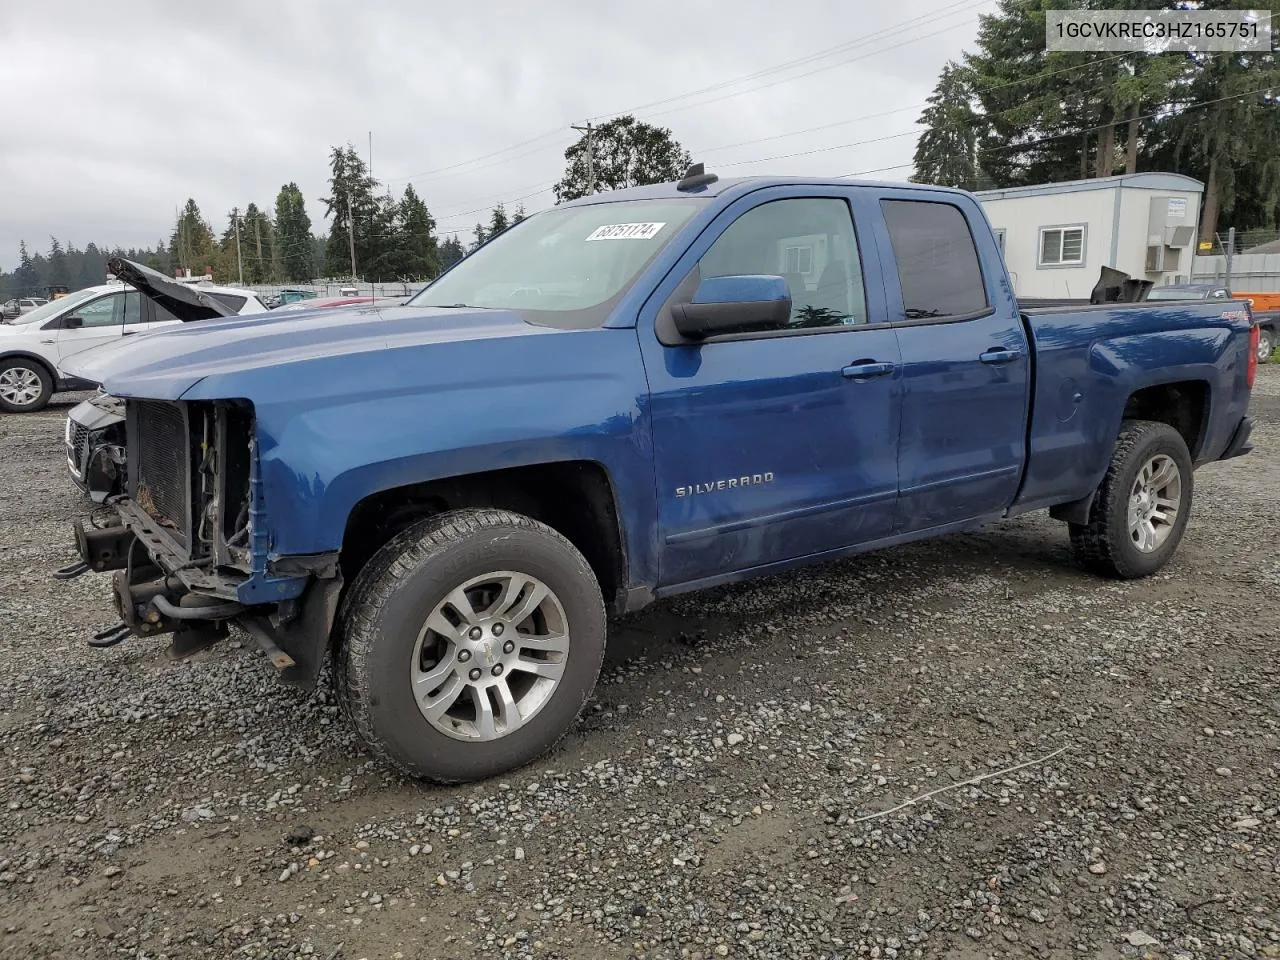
[{"x": 116, "y": 113}]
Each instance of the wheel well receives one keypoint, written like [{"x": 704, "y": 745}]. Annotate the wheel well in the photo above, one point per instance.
[
  {"x": 1183, "y": 406},
  {"x": 574, "y": 498},
  {"x": 37, "y": 360}
]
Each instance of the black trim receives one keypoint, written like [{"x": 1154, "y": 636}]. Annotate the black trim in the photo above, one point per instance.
[{"x": 929, "y": 321}]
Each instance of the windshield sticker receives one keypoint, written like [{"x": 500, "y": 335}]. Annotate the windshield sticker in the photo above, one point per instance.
[{"x": 626, "y": 231}]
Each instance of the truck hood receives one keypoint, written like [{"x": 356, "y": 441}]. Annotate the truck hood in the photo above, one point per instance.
[
  {"x": 185, "y": 302},
  {"x": 166, "y": 364}
]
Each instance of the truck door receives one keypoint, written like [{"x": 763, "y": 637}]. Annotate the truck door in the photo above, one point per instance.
[
  {"x": 965, "y": 365},
  {"x": 773, "y": 444}
]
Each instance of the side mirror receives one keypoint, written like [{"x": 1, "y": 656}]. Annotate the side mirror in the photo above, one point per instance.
[
  {"x": 722, "y": 304},
  {"x": 72, "y": 322}
]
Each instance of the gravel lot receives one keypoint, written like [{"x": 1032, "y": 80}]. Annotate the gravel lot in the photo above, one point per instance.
[{"x": 714, "y": 800}]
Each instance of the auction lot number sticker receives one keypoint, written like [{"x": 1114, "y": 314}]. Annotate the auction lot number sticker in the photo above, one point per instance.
[{"x": 625, "y": 231}]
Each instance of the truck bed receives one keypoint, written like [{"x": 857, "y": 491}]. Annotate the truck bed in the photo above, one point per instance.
[{"x": 1090, "y": 359}]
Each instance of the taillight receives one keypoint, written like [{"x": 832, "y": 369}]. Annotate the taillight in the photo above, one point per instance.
[{"x": 1251, "y": 371}]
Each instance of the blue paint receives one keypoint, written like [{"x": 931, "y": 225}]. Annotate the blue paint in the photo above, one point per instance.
[{"x": 727, "y": 458}]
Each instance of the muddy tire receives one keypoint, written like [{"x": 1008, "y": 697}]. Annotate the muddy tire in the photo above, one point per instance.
[
  {"x": 469, "y": 644},
  {"x": 1141, "y": 508}
]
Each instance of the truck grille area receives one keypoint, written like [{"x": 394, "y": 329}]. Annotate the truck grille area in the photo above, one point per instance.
[
  {"x": 77, "y": 446},
  {"x": 161, "y": 450}
]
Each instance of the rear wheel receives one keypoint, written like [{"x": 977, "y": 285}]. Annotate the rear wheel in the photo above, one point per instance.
[
  {"x": 1266, "y": 344},
  {"x": 25, "y": 385},
  {"x": 1140, "y": 510},
  {"x": 470, "y": 643}
]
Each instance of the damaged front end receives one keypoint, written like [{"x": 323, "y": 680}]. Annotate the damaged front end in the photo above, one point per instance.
[{"x": 191, "y": 552}]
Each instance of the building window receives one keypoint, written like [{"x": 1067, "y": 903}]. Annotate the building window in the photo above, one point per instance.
[{"x": 1061, "y": 246}]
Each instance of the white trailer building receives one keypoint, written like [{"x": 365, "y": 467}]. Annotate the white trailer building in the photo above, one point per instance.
[{"x": 1057, "y": 237}]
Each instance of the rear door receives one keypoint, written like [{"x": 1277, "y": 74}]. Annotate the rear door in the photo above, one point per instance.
[
  {"x": 96, "y": 322},
  {"x": 965, "y": 362},
  {"x": 775, "y": 444}
]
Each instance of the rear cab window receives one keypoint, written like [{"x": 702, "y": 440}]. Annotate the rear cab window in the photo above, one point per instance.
[{"x": 936, "y": 258}]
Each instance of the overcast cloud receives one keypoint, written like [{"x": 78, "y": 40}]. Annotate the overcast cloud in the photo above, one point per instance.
[{"x": 116, "y": 113}]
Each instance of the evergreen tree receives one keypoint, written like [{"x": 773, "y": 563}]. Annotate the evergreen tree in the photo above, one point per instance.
[
  {"x": 351, "y": 201},
  {"x": 625, "y": 153},
  {"x": 417, "y": 230},
  {"x": 26, "y": 278},
  {"x": 519, "y": 214},
  {"x": 481, "y": 236},
  {"x": 498, "y": 221},
  {"x": 293, "y": 235},
  {"x": 58, "y": 274},
  {"x": 191, "y": 246},
  {"x": 947, "y": 152},
  {"x": 451, "y": 251}
]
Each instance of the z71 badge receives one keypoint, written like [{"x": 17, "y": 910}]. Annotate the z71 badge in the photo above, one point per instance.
[{"x": 713, "y": 486}]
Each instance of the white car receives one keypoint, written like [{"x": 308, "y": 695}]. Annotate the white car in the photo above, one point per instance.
[{"x": 34, "y": 346}]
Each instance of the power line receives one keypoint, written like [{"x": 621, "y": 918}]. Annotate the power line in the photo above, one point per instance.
[
  {"x": 944, "y": 11},
  {"x": 799, "y": 61}
]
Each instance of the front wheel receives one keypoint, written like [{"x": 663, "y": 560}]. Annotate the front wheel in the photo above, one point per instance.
[
  {"x": 25, "y": 386},
  {"x": 1140, "y": 510},
  {"x": 470, "y": 643}
]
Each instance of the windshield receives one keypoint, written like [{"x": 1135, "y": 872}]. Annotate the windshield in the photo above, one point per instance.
[
  {"x": 55, "y": 307},
  {"x": 1179, "y": 293},
  {"x": 563, "y": 264}
]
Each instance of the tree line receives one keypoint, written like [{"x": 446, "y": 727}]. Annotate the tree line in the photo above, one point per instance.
[
  {"x": 1011, "y": 114},
  {"x": 390, "y": 238}
]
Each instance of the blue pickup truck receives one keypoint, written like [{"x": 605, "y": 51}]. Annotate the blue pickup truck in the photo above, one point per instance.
[{"x": 627, "y": 397}]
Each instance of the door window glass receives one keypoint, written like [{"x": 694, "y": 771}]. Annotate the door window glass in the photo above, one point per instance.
[
  {"x": 132, "y": 307},
  {"x": 937, "y": 261},
  {"x": 100, "y": 313},
  {"x": 810, "y": 243}
]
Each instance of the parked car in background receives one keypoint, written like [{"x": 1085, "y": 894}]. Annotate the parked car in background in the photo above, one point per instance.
[
  {"x": 625, "y": 397},
  {"x": 1265, "y": 308},
  {"x": 18, "y": 306},
  {"x": 35, "y": 346}
]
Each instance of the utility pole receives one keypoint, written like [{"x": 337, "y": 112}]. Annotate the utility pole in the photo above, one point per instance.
[
  {"x": 591, "y": 157},
  {"x": 235, "y": 216},
  {"x": 351, "y": 237},
  {"x": 1231, "y": 252}
]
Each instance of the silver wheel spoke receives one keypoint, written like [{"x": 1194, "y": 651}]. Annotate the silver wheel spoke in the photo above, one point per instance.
[
  {"x": 485, "y": 722},
  {"x": 551, "y": 643},
  {"x": 1166, "y": 474},
  {"x": 1146, "y": 536},
  {"x": 439, "y": 623},
  {"x": 508, "y": 712},
  {"x": 461, "y": 605},
  {"x": 543, "y": 668},
  {"x": 434, "y": 708},
  {"x": 530, "y": 602},
  {"x": 428, "y": 681}
]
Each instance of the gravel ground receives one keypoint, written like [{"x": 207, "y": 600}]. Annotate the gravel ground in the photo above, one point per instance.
[{"x": 720, "y": 796}]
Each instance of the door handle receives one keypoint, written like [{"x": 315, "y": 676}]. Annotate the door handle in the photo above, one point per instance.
[
  {"x": 48, "y": 341},
  {"x": 865, "y": 370},
  {"x": 1000, "y": 355},
  {"x": 128, "y": 333}
]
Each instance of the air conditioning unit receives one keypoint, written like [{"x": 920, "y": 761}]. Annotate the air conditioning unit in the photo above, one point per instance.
[{"x": 1161, "y": 258}]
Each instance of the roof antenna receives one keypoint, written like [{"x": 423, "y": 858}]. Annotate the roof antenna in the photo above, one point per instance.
[{"x": 696, "y": 177}]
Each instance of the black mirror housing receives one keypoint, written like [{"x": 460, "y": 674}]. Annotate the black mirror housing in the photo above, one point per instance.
[{"x": 738, "y": 303}]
